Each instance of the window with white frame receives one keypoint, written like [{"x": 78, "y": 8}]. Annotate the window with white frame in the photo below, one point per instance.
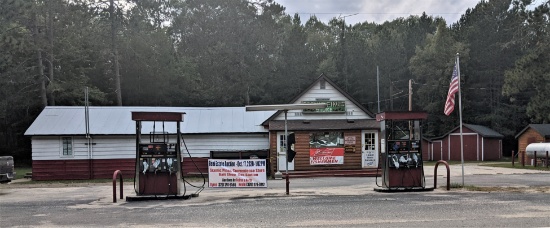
[
  {"x": 282, "y": 143},
  {"x": 67, "y": 146}
]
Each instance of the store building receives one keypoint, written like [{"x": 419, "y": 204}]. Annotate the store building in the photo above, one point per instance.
[{"x": 343, "y": 136}]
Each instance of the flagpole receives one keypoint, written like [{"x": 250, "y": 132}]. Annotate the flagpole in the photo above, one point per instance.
[{"x": 460, "y": 116}]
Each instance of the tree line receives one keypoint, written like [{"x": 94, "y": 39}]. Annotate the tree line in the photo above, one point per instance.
[{"x": 239, "y": 52}]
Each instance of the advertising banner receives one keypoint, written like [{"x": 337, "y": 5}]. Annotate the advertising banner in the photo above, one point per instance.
[
  {"x": 246, "y": 173},
  {"x": 326, "y": 156}
]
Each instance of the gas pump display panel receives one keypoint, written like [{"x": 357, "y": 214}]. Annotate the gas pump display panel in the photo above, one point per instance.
[{"x": 158, "y": 169}]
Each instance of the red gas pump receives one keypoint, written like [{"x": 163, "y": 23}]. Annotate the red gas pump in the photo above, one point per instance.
[
  {"x": 157, "y": 159},
  {"x": 401, "y": 151}
]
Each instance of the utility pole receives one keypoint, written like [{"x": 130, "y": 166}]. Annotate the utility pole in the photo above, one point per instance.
[
  {"x": 391, "y": 95},
  {"x": 410, "y": 94},
  {"x": 114, "y": 52},
  {"x": 378, "y": 87}
]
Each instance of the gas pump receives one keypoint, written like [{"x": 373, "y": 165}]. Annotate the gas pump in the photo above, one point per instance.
[
  {"x": 401, "y": 150},
  {"x": 158, "y": 161}
]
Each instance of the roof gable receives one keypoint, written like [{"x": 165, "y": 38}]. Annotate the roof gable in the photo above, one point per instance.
[
  {"x": 481, "y": 130},
  {"x": 349, "y": 101},
  {"x": 484, "y": 131},
  {"x": 542, "y": 129}
]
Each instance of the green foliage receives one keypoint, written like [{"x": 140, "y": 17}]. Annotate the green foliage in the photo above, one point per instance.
[
  {"x": 527, "y": 83},
  {"x": 238, "y": 52},
  {"x": 432, "y": 67}
]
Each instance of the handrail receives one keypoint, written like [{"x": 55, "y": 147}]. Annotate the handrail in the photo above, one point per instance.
[
  {"x": 448, "y": 174},
  {"x": 115, "y": 174}
]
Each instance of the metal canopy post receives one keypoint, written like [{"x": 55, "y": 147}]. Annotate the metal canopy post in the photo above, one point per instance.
[{"x": 286, "y": 154}]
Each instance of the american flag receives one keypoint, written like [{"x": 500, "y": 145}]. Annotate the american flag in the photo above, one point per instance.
[{"x": 453, "y": 88}]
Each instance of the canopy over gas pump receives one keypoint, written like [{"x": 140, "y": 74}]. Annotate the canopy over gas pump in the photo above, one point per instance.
[
  {"x": 158, "y": 160},
  {"x": 401, "y": 151}
]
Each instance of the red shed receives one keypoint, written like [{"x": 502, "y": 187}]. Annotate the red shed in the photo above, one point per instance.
[{"x": 480, "y": 144}]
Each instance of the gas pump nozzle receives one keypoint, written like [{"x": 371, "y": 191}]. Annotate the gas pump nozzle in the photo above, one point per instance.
[
  {"x": 145, "y": 166},
  {"x": 395, "y": 162}
]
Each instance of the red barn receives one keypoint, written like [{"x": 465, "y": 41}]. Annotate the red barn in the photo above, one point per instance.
[{"x": 480, "y": 144}]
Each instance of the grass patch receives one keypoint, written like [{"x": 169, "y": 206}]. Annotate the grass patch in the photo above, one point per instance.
[
  {"x": 22, "y": 171},
  {"x": 451, "y": 162},
  {"x": 467, "y": 187},
  {"x": 516, "y": 166}
]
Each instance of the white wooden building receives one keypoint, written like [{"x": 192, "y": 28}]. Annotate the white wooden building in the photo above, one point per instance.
[
  {"x": 346, "y": 129},
  {"x": 60, "y": 149}
]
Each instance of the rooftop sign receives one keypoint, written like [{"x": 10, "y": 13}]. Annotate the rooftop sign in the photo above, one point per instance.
[{"x": 332, "y": 107}]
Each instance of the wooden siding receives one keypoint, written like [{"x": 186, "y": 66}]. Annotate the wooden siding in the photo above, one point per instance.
[
  {"x": 529, "y": 136},
  {"x": 352, "y": 160},
  {"x": 426, "y": 150},
  {"x": 101, "y": 168},
  {"x": 474, "y": 150},
  {"x": 352, "y": 111},
  {"x": 113, "y": 147},
  {"x": 80, "y": 169},
  {"x": 437, "y": 150},
  {"x": 195, "y": 166},
  {"x": 123, "y": 147},
  {"x": 492, "y": 149}
]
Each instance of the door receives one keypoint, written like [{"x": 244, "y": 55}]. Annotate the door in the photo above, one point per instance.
[
  {"x": 369, "y": 149},
  {"x": 281, "y": 153}
]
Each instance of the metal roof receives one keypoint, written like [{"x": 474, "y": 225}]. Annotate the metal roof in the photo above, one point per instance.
[
  {"x": 481, "y": 130},
  {"x": 117, "y": 120},
  {"x": 484, "y": 131},
  {"x": 542, "y": 129}
]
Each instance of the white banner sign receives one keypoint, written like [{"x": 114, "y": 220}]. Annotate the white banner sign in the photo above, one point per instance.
[{"x": 249, "y": 173}]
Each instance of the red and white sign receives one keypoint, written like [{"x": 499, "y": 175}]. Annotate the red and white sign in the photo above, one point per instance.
[
  {"x": 249, "y": 173},
  {"x": 326, "y": 156}
]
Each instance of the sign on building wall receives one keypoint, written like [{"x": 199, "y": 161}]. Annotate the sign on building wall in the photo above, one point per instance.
[
  {"x": 326, "y": 148},
  {"x": 326, "y": 156},
  {"x": 248, "y": 173},
  {"x": 370, "y": 159},
  {"x": 332, "y": 107},
  {"x": 349, "y": 144}
]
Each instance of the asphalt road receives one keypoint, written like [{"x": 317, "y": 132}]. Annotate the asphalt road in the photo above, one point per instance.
[{"x": 312, "y": 202}]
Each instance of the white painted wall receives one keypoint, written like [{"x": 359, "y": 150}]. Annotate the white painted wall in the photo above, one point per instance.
[
  {"x": 352, "y": 111},
  {"x": 123, "y": 147}
]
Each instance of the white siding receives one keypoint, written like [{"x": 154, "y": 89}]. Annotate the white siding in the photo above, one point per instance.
[
  {"x": 103, "y": 147},
  {"x": 111, "y": 147},
  {"x": 116, "y": 147},
  {"x": 46, "y": 148},
  {"x": 201, "y": 145},
  {"x": 352, "y": 111}
]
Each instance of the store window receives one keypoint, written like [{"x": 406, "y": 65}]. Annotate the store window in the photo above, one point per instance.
[
  {"x": 370, "y": 141},
  {"x": 67, "y": 146},
  {"x": 282, "y": 143},
  {"x": 326, "y": 139}
]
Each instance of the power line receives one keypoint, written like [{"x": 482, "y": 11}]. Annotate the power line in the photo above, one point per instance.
[{"x": 352, "y": 14}]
